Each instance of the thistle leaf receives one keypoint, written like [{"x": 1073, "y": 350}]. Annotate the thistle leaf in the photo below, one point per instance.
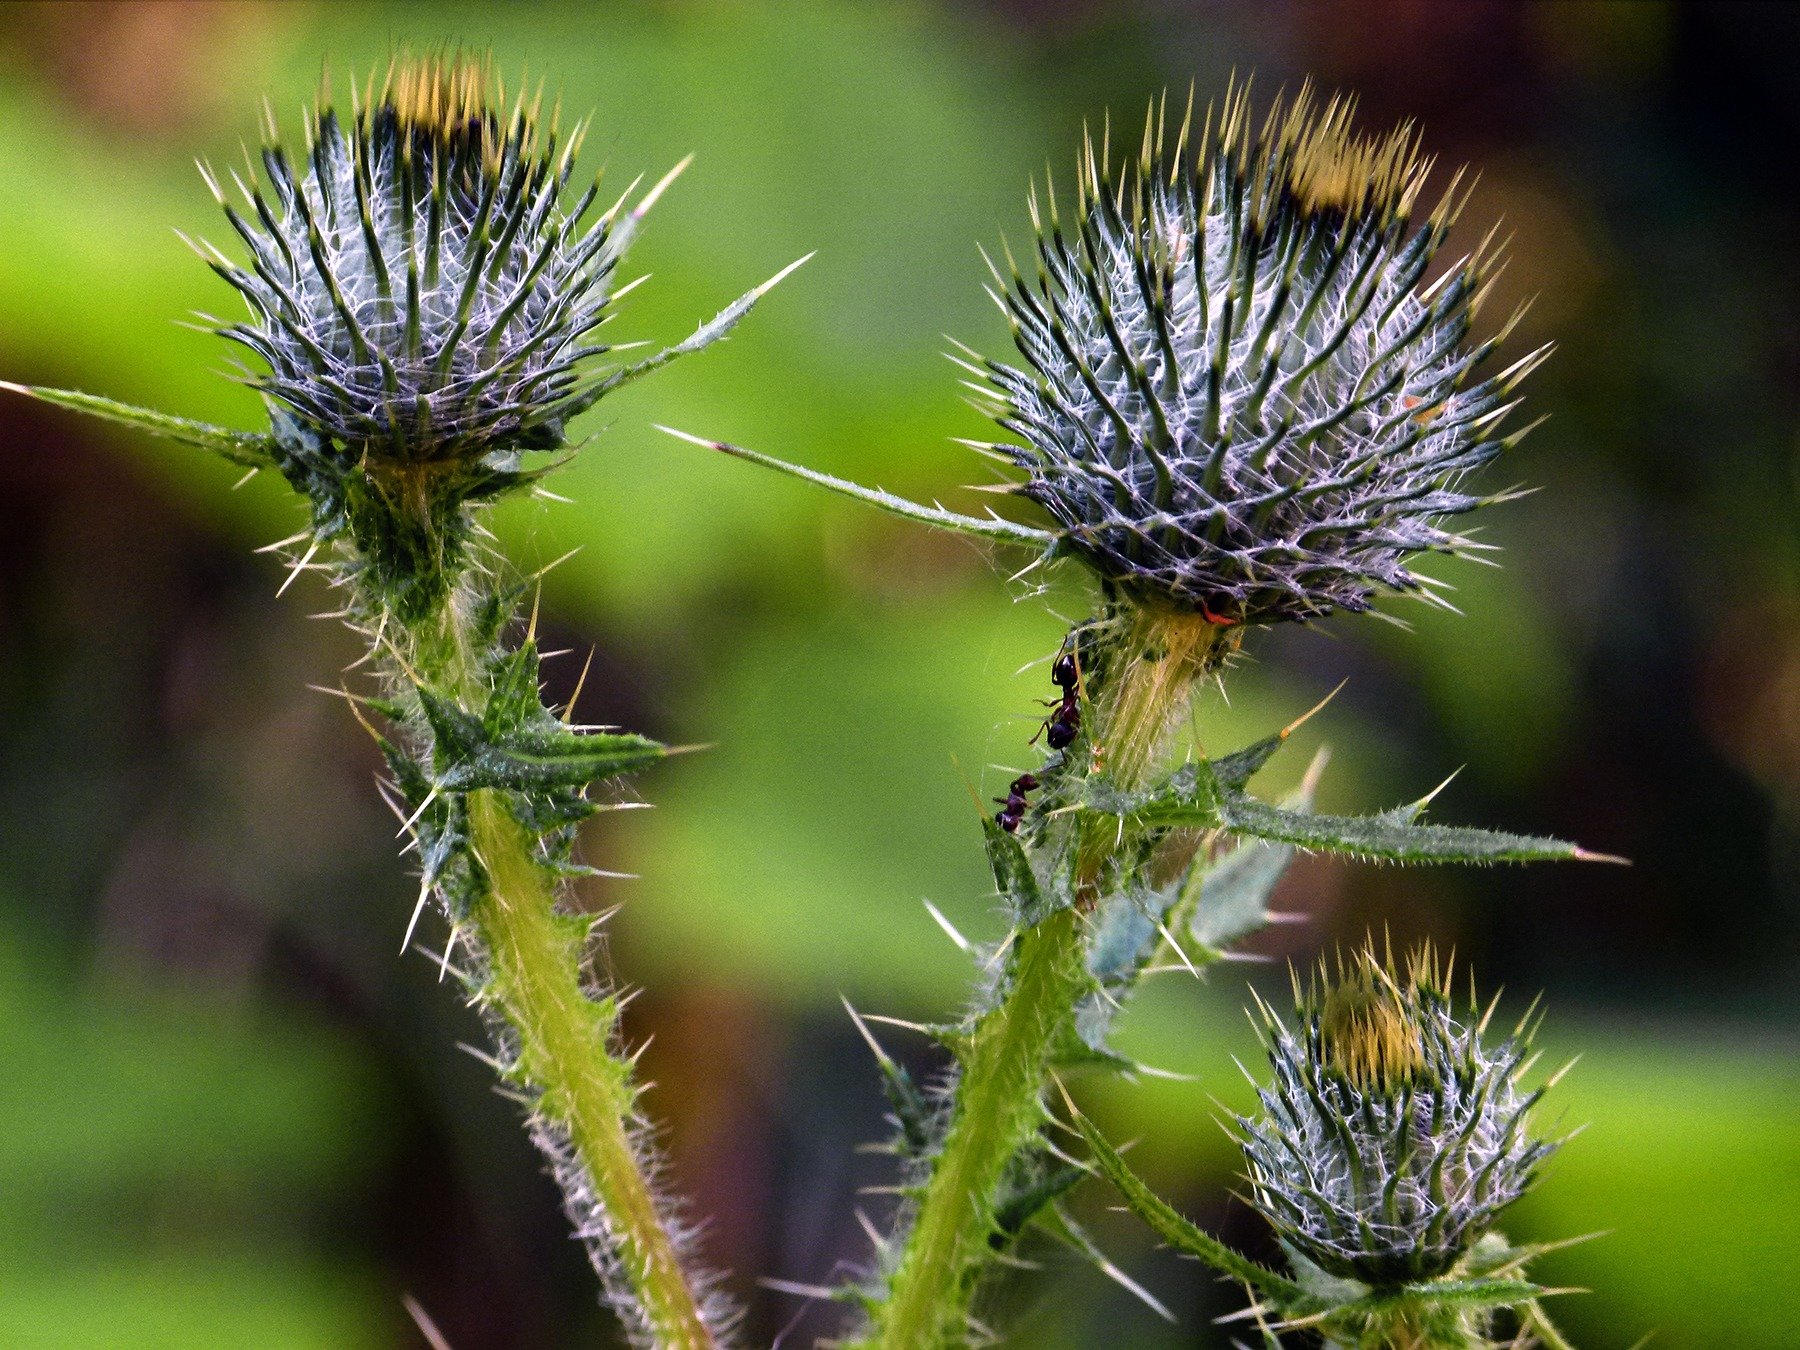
[
  {"x": 1177, "y": 1231},
  {"x": 1025, "y": 1199},
  {"x": 1478, "y": 1293},
  {"x": 912, "y": 1113},
  {"x": 1235, "y": 891},
  {"x": 988, "y": 527},
  {"x": 1015, "y": 880},
  {"x": 1207, "y": 795},
  {"x": 527, "y": 759},
  {"x": 1126, "y": 931},
  {"x": 1391, "y": 836},
  {"x": 704, "y": 336},
  {"x": 1192, "y": 797},
  {"x": 247, "y": 448}
]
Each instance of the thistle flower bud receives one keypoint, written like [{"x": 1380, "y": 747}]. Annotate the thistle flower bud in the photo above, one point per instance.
[
  {"x": 1241, "y": 397},
  {"x": 1391, "y": 1136},
  {"x": 419, "y": 287}
]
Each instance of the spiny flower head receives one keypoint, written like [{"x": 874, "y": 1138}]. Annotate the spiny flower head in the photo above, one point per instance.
[
  {"x": 420, "y": 286},
  {"x": 1241, "y": 396},
  {"x": 1392, "y": 1135}
]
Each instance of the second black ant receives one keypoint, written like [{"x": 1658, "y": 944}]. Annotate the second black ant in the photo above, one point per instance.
[
  {"x": 1012, "y": 807},
  {"x": 1064, "y": 724}
]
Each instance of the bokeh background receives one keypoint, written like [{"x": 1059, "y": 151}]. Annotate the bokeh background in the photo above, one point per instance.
[{"x": 232, "y": 1115}]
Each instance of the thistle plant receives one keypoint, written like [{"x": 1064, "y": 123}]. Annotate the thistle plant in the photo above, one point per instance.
[
  {"x": 1244, "y": 400},
  {"x": 425, "y": 287},
  {"x": 1392, "y": 1135}
]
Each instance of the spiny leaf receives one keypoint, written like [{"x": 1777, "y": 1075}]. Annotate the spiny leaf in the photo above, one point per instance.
[
  {"x": 1015, "y": 880},
  {"x": 912, "y": 1113},
  {"x": 1192, "y": 797},
  {"x": 991, "y": 527},
  {"x": 1235, "y": 891},
  {"x": 513, "y": 695},
  {"x": 703, "y": 336},
  {"x": 1199, "y": 795},
  {"x": 1477, "y": 1293},
  {"x": 249, "y": 449},
  {"x": 530, "y": 758},
  {"x": 1126, "y": 930},
  {"x": 1081, "y": 1043},
  {"x": 1237, "y": 768},
  {"x": 539, "y": 758},
  {"x": 1177, "y": 1231},
  {"x": 1391, "y": 836},
  {"x": 1027, "y": 1197}
]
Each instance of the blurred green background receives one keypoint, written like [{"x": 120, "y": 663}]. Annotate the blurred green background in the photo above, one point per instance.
[{"x": 231, "y": 1115}]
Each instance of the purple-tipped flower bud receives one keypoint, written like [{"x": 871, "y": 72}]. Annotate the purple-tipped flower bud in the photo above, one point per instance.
[
  {"x": 1391, "y": 1136},
  {"x": 1241, "y": 395}
]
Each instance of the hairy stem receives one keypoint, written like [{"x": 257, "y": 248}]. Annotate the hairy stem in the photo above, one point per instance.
[
  {"x": 996, "y": 1111},
  {"x": 998, "y": 1105},
  {"x": 564, "y": 1048},
  {"x": 563, "y": 1039}
]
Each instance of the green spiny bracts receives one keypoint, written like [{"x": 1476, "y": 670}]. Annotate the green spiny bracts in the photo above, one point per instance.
[
  {"x": 1240, "y": 397},
  {"x": 1392, "y": 1135},
  {"x": 423, "y": 296}
]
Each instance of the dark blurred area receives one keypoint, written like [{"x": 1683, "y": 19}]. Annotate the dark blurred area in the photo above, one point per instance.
[{"x": 234, "y": 1115}]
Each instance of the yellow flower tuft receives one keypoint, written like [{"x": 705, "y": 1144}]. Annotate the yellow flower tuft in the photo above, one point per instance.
[
  {"x": 441, "y": 93},
  {"x": 1314, "y": 159},
  {"x": 1366, "y": 1026}
]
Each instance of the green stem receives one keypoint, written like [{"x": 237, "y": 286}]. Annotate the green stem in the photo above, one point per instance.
[
  {"x": 997, "y": 1109},
  {"x": 582, "y": 1088},
  {"x": 998, "y": 1105},
  {"x": 563, "y": 1037}
]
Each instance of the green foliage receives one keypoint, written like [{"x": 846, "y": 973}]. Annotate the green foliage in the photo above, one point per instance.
[
  {"x": 239, "y": 447},
  {"x": 1210, "y": 796},
  {"x": 1391, "y": 836},
  {"x": 1172, "y": 1228},
  {"x": 1016, "y": 881},
  {"x": 525, "y": 752},
  {"x": 979, "y": 527},
  {"x": 1234, "y": 900}
]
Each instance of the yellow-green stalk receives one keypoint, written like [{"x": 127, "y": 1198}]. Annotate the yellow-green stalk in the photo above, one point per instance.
[{"x": 1149, "y": 668}]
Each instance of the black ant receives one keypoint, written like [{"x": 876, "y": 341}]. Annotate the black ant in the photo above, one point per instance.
[
  {"x": 1064, "y": 724},
  {"x": 1012, "y": 807}
]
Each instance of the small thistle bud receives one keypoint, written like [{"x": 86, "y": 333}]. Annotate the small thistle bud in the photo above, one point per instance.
[
  {"x": 419, "y": 287},
  {"x": 1391, "y": 1136},
  {"x": 1241, "y": 398}
]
